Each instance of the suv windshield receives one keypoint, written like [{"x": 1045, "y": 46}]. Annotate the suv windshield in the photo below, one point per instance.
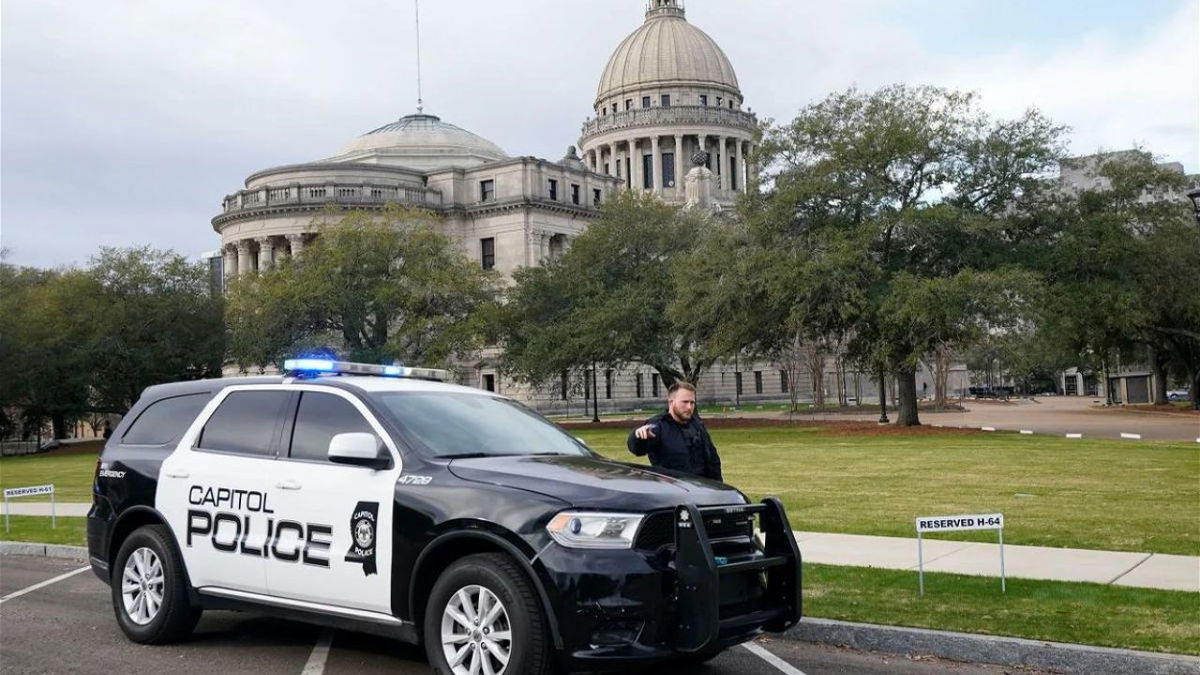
[{"x": 452, "y": 424}]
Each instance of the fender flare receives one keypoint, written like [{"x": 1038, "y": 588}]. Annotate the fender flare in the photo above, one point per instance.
[{"x": 513, "y": 552}]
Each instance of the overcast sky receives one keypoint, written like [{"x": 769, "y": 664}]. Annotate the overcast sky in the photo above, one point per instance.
[{"x": 125, "y": 122}]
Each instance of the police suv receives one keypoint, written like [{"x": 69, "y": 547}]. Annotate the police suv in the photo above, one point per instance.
[{"x": 380, "y": 499}]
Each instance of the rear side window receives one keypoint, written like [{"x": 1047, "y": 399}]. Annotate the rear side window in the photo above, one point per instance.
[
  {"x": 318, "y": 419},
  {"x": 164, "y": 421},
  {"x": 244, "y": 423}
]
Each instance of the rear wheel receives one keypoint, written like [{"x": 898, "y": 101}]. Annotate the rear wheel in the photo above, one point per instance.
[
  {"x": 149, "y": 588},
  {"x": 483, "y": 618}
]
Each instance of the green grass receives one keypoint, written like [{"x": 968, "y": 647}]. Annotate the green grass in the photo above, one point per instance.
[
  {"x": 70, "y": 531},
  {"x": 1095, "y": 614},
  {"x": 1095, "y": 494},
  {"x": 71, "y": 475}
]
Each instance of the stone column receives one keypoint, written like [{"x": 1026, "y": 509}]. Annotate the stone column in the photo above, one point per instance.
[
  {"x": 243, "y": 263},
  {"x": 656, "y": 165},
  {"x": 612, "y": 159},
  {"x": 266, "y": 254},
  {"x": 229, "y": 262},
  {"x": 739, "y": 175},
  {"x": 678, "y": 162},
  {"x": 701, "y": 143},
  {"x": 296, "y": 244},
  {"x": 720, "y": 162},
  {"x": 635, "y": 165}
]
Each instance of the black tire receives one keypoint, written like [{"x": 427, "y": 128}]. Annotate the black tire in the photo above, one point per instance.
[
  {"x": 700, "y": 658},
  {"x": 174, "y": 618},
  {"x": 529, "y": 649}
]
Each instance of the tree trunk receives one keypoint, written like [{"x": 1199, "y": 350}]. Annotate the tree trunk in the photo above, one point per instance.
[
  {"x": 59, "y": 422},
  {"x": 595, "y": 396},
  {"x": 906, "y": 383},
  {"x": 941, "y": 376},
  {"x": 816, "y": 371},
  {"x": 1158, "y": 366},
  {"x": 883, "y": 418}
]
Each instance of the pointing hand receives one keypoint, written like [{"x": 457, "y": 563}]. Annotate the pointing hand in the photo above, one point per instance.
[{"x": 645, "y": 431}]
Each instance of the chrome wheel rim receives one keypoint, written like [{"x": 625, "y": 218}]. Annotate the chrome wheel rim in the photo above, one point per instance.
[
  {"x": 142, "y": 583},
  {"x": 476, "y": 633}
]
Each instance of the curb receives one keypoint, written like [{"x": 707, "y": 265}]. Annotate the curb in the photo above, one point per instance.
[
  {"x": 1004, "y": 651},
  {"x": 45, "y": 550}
]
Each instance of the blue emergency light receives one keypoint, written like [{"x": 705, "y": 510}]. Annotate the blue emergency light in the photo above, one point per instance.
[{"x": 315, "y": 367}]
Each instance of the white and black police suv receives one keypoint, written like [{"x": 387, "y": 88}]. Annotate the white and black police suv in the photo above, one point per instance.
[{"x": 380, "y": 499}]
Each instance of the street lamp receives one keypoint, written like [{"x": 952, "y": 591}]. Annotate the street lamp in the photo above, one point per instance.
[{"x": 1194, "y": 195}]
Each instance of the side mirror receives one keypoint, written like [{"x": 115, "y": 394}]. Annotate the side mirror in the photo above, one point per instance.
[{"x": 359, "y": 449}]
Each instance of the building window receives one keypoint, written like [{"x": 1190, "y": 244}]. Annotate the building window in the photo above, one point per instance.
[
  {"x": 668, "y": 169},
  {"x": 647, "y": 171},
  {"x": 718, "y": 101},
  {"x": 628, "y": 174},
  {"x": 637, "y": 384},
  {"x": 553, "y": 189},
  {"x": 737, "y": 383},
  {"x": 645, "y": 101},
  {"x": 565, "y": 384},
  {"x": 614, "y": 108},
  {"x": 606, "y": 169},
  {"x": 654, "y": 385},
  {"x": 574, "y": 193},
  {"x": 783, "y": 381},
  {"x": 731, "y": 104},
  {"x": 316, "y": 192},
  {"x": 733, "y": 184},
  {"x": 595, "y": 196},
  {"x": 758, "y": 381},
  {"x": 347, "y": 192},
  {"x": 608, "y": 382},
  {"x": 487, "y": 190},
  {"x": 703, "y": 99},
  {"x": 629, "y": 104},
  {"x": 489, "y": 382},
  {"x": 487, "y": 250},
  {"x": 665, "y": 101}
]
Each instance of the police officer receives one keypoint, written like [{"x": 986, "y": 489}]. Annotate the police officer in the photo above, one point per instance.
[{"x": 677, "y": 438}]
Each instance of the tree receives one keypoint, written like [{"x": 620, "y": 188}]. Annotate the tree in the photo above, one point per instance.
[
  {"x": 606, "y": 300},
  {"x": 375, "y": 288},
  {"x": 907, "y": 186},
  {"x": 154, "y": 318}
]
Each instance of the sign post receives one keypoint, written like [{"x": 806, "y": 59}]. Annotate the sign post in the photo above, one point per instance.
[
  {"x": 29, "y": 492},
  {"x": 987, "y": 521}
]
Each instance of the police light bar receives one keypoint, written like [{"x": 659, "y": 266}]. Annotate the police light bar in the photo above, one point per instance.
[{"x": 311, "y": 367}]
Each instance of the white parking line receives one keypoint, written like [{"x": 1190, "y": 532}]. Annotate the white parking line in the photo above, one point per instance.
[
  {"x": 1136, "y": 437},
  {"x": 780, "y": 664},
  {"x": 30, "y": 589},
  {"x": 1027, "y": 432},
  {"x": 1074, "y": 435},
  {"x": 320, "y": 652},
  {"x": 987, "y": 428}
]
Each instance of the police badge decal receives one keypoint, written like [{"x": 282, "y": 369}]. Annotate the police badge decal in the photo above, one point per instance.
[{"x": 363, "y": 536}]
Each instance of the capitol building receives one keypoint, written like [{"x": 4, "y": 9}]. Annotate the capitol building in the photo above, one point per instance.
[{"x": 667, "y": 102}]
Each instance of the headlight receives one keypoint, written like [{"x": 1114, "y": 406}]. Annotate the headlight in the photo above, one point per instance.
[{"x": 590, "y": 529}]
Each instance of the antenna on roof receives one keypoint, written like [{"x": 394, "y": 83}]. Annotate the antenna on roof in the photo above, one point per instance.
[{"x": 417, "y": 11}]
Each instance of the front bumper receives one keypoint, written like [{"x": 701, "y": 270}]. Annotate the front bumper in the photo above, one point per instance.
[{"x": 698, "y": 594}]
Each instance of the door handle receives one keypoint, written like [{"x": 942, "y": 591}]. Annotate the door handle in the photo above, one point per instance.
[
  {"x": 288, "y": 484},
  {"x": 177, "y": 473}
]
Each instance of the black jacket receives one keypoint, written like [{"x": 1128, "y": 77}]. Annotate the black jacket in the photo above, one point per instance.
[{"x": 680, "y": 447}]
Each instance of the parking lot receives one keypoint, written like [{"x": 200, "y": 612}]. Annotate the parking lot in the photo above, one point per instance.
[{"x": 68, "y": 626}]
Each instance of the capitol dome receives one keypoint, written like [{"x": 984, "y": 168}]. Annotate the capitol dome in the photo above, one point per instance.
[
  {"x": 422, "y": 142},
  {"x": 666, "y": 51}
]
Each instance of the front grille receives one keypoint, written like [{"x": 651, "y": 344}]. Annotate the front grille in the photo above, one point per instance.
[{"x": 658, "y": 530}]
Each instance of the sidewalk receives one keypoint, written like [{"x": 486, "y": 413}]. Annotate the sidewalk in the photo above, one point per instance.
[{"x": 1120, "y": 568}]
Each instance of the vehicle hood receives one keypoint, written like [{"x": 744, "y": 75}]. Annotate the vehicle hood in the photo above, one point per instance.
[{"x": 594, "y": 482}]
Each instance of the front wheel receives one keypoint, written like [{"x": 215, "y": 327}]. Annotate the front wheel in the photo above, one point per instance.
[
  {"x": 483, "y": 618},
  {"x": 149, "y": 590}
]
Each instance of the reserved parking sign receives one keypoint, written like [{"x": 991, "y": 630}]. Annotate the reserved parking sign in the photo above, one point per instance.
[
  {"x": 977, "y": 521},
  {"x": 990, "y": 521}
]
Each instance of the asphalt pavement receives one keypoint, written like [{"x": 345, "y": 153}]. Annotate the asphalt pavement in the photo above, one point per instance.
[{"x": 68, "y": 626}]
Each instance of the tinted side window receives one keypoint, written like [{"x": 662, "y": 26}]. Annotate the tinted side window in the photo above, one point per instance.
[
  {"x": 164, "y": 421},
  {"x": 318, "y": 418},
  {"x": 244, "y": 422}
]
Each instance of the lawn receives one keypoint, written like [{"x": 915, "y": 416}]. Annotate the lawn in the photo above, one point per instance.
[
  {"x": 70, "y": 472},
  {"x": 70, "y": 531},
  {"x": 1096, "y": 614},
  {"x": 1096, "y": 494}
]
